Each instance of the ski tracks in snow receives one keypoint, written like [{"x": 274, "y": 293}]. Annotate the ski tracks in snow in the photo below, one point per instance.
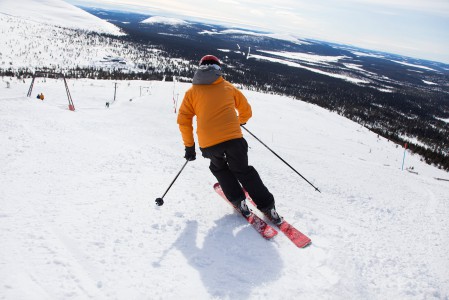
[
  {"x": 378, "y": 242},
  {"x": 398, "y": 244},
  {"x": 78, "y": 218}
]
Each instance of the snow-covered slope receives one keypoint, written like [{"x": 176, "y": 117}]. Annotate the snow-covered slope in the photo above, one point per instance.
[
  {"x": 57, "y": 12},
  {"x": 78, "y": 220},
  {"x": 30, "y": 45}
]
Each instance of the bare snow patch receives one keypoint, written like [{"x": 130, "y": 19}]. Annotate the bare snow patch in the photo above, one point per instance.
[
  {"x": 413, "y": 65},
  {"x": 358, "y": 53},
  {"x": 385, "y": 90},
  {"x": 164, "y": 20},
  {"x": 296, "y": 65},
  {"x": 305, "y": 56},
  {"x": 441, "y": 119},
  {"x": 277, "y": 36}
]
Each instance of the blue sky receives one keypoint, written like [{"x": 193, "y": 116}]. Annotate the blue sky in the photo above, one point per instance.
[{"x": 416, "y": 28}]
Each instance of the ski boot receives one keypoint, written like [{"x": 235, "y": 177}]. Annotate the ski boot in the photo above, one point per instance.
[
  {"x": 274, "y": 216},
  {"x": 242, "y": 207}
]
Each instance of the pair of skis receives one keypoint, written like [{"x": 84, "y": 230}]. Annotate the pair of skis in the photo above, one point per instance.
[{"x": 265, "y": 230}]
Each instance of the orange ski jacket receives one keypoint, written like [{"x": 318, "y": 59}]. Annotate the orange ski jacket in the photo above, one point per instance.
[{"x": 214, "y": 106}]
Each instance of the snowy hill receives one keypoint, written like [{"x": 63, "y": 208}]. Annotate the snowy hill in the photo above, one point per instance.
[
  {"x": 57, "y": 12},
  {"x": 164, "y": 20},
  {"x": 78, "y": 218},
  {"x": 27, "y": 46}
]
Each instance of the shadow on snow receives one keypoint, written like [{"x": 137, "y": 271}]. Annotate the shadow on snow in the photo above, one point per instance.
[{"x": 230, "y": 265}]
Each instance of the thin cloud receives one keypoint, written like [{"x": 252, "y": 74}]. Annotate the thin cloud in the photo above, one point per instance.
[{"x": 439, "y": 7}]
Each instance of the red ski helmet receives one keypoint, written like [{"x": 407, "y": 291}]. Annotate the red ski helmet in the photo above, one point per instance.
[{"x": 210, "y": 60}]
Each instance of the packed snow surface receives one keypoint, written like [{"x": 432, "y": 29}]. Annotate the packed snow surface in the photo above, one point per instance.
[
  {"x": 78, "y": 219},
  {"x": 57, "y": 12}
]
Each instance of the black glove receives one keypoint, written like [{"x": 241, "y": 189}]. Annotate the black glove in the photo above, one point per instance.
[{"x": 190, "y": 153}]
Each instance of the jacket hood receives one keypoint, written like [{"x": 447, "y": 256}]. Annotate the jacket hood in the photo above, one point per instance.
[{"x": 206, "y": 74}]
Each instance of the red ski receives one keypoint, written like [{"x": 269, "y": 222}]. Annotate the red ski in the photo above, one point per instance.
[
  {"x": 297, "y": 237},
  {"x": 265, "y": 230}
]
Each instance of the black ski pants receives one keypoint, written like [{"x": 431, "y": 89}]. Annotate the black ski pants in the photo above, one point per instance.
[{"x": 229, "y": 164}]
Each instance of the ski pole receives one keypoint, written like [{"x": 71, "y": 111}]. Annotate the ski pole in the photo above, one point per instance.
[
  {"x": 316, "y": 189},
  {"x": 160, "y": 201},
  {"x": 403, "y": 159}
]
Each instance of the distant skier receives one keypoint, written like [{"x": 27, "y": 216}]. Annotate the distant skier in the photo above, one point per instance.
[{"x": 214, "y": 102}]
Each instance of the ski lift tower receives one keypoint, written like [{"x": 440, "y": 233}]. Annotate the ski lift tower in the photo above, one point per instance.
[{"x": 56, "y": 76}]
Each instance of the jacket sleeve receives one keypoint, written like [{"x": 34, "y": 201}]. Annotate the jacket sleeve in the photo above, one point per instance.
[
  {"x": 242, "y": 106},
  {"x": 185, "y": 118}
]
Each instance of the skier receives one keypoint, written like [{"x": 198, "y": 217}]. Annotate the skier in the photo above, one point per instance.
[{"x": 214, "y": 102}]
